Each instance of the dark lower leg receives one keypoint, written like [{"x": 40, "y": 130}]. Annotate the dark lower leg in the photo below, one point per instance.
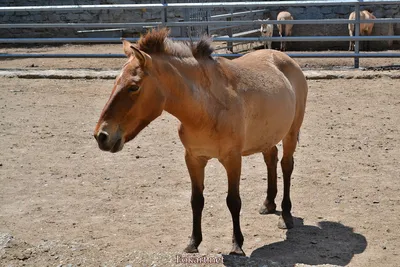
[
  {"x": 196, "y": 171},
  {"x": 234, "y": 204},
  {"x": 233, "y": 165},
  {"x": 287, "y": 169},
  {"x": 271, "y": 159},
  {"x": 197, "y": 202}
]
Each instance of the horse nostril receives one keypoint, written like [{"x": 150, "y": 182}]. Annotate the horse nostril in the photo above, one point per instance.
[{"x": 102, "y": 137}]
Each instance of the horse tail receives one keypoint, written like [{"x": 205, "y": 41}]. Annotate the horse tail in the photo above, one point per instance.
[
  {"x": 298, "y": 138},
  {"x": 283, "y": 29}
]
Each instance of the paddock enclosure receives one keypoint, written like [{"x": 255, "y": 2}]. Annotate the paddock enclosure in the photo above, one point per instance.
[
  {"x": 63, "y": 201},
  {"x": 319, "y": 25}
]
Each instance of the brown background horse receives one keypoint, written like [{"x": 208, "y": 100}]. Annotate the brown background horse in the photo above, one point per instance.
[
  {"x": 227, "y": 109},
  {"x": 284, "y": 29},
  {"x": 365, "y": 28}
]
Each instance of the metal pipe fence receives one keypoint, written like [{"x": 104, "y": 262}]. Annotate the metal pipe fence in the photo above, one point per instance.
[
  {"x": 291, "y": 54},
  {"x": 216, "y": 39},
  {"x": 164, "y": 7},
  {"x": 190, "y": 23},
  {"x": 197, "y": 5}
]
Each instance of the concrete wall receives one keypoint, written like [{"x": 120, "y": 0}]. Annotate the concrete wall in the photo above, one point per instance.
[{"x": 149, "y": 15}]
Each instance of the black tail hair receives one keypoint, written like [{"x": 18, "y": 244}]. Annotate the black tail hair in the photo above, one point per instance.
[{"x": 283, "y": 33}]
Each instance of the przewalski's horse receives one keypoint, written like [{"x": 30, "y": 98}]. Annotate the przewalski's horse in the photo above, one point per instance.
[
  {"x": 227, "y": 109},
  {"x": 266, "y": 31},
  {"x": 284, "y": 29},
  {"x": 365, "y": 28}
]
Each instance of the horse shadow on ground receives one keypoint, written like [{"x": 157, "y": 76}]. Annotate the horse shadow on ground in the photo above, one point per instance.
[{"x": 328, "y": 243}]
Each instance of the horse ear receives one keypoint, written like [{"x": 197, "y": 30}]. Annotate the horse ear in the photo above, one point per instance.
[
  {"x": 127, "y": 47},
  {"x": 143, "y": 58}
]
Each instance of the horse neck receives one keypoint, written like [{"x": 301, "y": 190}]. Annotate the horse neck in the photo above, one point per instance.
[{"x": 185, "y": 84}]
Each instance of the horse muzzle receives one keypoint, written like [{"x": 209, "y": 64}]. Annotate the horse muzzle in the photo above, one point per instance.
[{"x": 109, "y": 143}]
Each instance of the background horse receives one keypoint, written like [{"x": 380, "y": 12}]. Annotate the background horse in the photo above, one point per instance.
[
  {"x": 227, "y": 109},
  {"x": 365, "y": 28},
  {"x": 284, "y": 29},
  {"x": 266, "y": 31}
]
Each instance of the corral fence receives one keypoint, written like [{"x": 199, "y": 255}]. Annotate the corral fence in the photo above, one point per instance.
[{"x": 198, "y": 20}]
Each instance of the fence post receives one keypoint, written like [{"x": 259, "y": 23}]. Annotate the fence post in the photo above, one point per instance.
[
  {"x": 208, "y": 15},
  {"x": 186, "y": 29},
  {"x": 164, "y": 14},
  {"x": 230, "y": 34},
  {"x": 357, "y": 33}
]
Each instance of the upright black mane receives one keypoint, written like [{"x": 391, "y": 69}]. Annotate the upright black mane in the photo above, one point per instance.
[{"x": 156, "y": 41}]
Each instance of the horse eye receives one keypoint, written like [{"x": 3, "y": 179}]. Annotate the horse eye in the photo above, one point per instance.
[{"x": 133, "y": 88}]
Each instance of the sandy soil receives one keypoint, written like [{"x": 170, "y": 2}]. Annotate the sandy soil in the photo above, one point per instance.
[{"x": 64, "y": 202}]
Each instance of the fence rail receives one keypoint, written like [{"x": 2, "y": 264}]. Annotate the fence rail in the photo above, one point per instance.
[
  {"x": 216, "y": 39},
  {"x": 291, "y": 54},
  {"x": 196, "y": 5},
  {"x": 190, "y": 23},
  {"x": 209, "y": 5}
]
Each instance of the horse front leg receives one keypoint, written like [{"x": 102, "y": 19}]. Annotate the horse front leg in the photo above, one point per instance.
[
  {"x": 233, "y": 165},
  {"x": 196, "y": 167}
]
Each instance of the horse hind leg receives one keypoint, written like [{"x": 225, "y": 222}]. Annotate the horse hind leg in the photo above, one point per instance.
[
  {"x": 271, "y": 159},
  {"x": 368, "y": 44},
  {"x": 351, "y": 43},
  {"x": 269, "y": 44},
  {"x": 287, "y": 164}
]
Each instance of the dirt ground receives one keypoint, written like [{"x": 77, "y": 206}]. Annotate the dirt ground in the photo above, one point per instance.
[{"x": 63, "y": 202}]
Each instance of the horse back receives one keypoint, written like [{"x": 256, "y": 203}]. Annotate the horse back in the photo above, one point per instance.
[
  {"x": 365, "y": 28},
  {"x": 295, "y": 76},
  {"x": 275, "y": 93},
  {"x": 273, "y": 63}
]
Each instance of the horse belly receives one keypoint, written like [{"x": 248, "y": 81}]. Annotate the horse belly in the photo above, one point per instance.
[
  {"x": 198, "y": 143},
  {"x": 268, "y": 123}
]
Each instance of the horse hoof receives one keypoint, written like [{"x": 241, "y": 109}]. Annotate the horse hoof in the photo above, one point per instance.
[
  {"x": 285, "y": 222},
  {"x": 268, "y": 209},
  {"x": 191, "y": 249},
  {"x": 237, "y": 252}
]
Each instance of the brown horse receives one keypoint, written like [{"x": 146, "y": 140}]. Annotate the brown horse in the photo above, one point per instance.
[
  {"x": 365, "y": 28},
  {"x": 227, "y": 109},
  {"x": 284, "y": 29}
]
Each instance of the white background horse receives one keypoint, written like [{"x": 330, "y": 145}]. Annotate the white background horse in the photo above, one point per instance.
[{"x": 266, "y": 31}]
